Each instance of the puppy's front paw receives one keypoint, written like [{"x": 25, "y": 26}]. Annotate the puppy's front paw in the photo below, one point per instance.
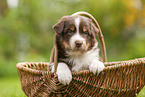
[
  {"x": 96, "y": 67},
  {"x": 64, "y": 74}
]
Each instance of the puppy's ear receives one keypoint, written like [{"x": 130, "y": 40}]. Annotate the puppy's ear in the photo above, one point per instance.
[
  {"x": 58, "y": 27},
  {"x": 94, "y": 29}
]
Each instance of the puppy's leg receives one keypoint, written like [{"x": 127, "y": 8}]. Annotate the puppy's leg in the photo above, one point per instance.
[
  {"x": 96, "y": 66},
  {"x": 64, "y": 74}
]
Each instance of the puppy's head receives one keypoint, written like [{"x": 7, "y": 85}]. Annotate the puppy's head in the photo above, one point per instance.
[{"x": 76, "y": 33}]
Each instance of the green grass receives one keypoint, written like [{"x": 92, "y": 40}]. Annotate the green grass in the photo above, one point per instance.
[
  {"x": 11, "y": 87},
  {"x": 142, "y": 93}
]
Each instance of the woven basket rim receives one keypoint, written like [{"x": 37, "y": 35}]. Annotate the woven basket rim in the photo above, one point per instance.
[
  {"x": 21, "y": 66},
  {"x": 108, "y": 66}
]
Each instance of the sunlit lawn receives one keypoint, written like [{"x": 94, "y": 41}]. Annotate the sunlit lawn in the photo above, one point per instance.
[
  {"x": 11, "y": 87},
  {"x": 142, "y": 93}
]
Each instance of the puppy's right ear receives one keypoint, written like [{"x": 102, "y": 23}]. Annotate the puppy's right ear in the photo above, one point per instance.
[{"x": 58, "y": 27}]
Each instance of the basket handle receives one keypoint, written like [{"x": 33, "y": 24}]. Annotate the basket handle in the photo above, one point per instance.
[{"x": 100, "y": 36}]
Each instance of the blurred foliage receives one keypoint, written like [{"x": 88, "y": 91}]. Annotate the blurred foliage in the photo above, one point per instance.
[{"x": 26, "y": 32}]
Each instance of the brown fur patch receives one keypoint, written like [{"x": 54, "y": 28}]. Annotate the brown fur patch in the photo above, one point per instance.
[
  {"x": 66, "y": 45},
  {"x": 84, "y": 29},
  {"x": 72, "y": 28}
]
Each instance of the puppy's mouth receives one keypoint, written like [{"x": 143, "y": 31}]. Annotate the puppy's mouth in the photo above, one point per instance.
[
  {"x": 75, "y": 52},
  {"x": 78, "y": 50}
]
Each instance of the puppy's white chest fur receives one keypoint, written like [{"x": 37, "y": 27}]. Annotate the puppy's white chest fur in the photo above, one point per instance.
[{"x": 83, "y": 61}]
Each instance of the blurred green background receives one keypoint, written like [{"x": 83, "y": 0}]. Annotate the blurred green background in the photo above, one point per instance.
[{"x": 26, "y": 32}]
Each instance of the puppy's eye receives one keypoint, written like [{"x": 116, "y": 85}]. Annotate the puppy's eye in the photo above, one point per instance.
[
  {"x": 86, "y": 33},
  {"x": 70, "y": 32}
]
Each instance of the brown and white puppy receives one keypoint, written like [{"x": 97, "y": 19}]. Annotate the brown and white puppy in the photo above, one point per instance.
[{"x": 77, "y": 47}]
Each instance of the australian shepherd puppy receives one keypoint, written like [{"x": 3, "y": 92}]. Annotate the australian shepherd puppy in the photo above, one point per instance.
[{"x": 77, "y": 47}]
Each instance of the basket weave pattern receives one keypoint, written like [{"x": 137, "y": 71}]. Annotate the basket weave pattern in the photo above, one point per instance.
[{"x": 124, "y": 78}]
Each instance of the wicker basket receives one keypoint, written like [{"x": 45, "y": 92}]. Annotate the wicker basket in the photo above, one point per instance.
[
  {"x": 124, "y": 78},
  {"x": 118, "y": 79}
]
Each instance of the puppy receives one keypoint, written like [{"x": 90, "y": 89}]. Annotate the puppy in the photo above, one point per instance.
[{"x": 77, "y": 47}]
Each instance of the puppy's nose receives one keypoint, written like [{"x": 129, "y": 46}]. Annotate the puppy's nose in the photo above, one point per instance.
[{"x": 78, "y": 43}]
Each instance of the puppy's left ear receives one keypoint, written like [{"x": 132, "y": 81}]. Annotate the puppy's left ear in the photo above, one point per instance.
[
  {"x": 94, "y": 29},
  {"x": 58, "y": 27}
]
